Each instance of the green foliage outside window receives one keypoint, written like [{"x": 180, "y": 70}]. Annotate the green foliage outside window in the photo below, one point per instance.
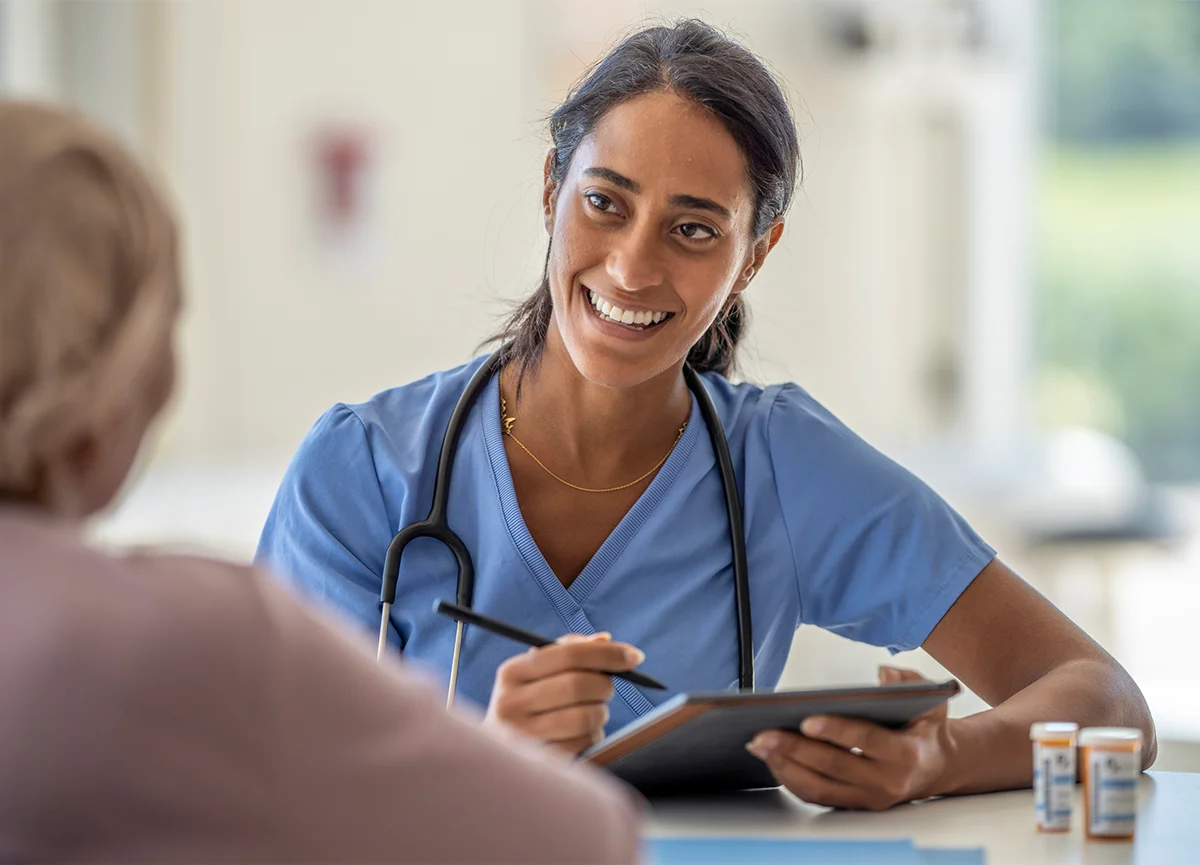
[{"x": 1119, "y": 226}]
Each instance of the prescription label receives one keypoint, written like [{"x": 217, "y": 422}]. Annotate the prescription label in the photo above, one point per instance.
[
  {"x": 1053, "y": 785},
  {"x": 1112, "y": 782}
]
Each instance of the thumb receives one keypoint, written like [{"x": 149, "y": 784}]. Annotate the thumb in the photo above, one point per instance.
[
  {"x": 898, "y": 675},
  {"x": 889, "y": 675}
]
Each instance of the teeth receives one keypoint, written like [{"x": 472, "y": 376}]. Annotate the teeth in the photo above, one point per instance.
[{"x": 625, "y": 316}]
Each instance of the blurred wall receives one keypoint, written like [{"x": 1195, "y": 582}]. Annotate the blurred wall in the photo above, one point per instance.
[
  {"x": 278, "y": 329},
  {"x": 868, "y": 301}
]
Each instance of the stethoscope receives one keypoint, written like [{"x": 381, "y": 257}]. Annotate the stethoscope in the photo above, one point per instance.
[{"x": 435, "y": 525}]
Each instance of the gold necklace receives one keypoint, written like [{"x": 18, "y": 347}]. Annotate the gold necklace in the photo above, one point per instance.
[{"x": 506, "y": 424}]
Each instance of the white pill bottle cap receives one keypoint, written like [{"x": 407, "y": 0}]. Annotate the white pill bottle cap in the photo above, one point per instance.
[
  {"x": 1053, "y": 730},
  {"x": 1119, "y": 737}
]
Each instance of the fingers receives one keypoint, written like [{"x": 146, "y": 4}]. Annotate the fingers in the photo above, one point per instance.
[
  {"x": 597, "y": 654},
  {"x": 560, "y": 693},
  {"x": 583, "y": 724},
  {"x": 819, "y": 790},
  {"x": 565, "y": 689},
  {"x": 820, "y": 757},
  {"x": 889, "y": 675},
  {"x": 575, "y": 747},
  {"x": 825, "y": 774},
  {"x": 812, "y": 786},
  {"x": 850, "y": 763},
  {"x": 850, "y": 734}
]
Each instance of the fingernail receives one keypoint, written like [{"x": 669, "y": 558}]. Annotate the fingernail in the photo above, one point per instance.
[
  {"x": 762, "y": 745},
  {"x": 812, "y": 727},
  {"x": 887, "y": 674},
  {"x": 600, "y": 637},
  {"x": 755, "y": 747},
  {"x": 634, "y": 656}
]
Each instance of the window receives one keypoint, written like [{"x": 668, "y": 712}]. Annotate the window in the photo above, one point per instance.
[{"x": 1119, "y": 233}]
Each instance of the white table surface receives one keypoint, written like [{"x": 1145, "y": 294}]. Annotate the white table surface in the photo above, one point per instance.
[{"x": 1168, "y": 827}]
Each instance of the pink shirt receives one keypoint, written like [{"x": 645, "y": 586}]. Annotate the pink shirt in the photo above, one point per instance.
[{"x": 180, "y": 709}]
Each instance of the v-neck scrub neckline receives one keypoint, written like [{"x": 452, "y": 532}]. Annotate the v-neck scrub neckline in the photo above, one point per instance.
[{"x": 568, "y": 599}]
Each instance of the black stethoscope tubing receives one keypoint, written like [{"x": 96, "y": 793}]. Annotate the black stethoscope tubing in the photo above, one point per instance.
[{"x": 437, "y": 527}]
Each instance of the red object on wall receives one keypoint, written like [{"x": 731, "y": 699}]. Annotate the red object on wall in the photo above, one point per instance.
[{"x": 343, "y": 155}]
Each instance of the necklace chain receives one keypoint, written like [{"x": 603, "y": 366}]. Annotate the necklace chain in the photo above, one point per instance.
[{"x": 506, "y": 424}]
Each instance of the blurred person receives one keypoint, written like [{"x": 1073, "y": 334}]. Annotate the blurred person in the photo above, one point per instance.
[
  {"x": 588, "y": 491},
  {"x": 164, "y": 708}
]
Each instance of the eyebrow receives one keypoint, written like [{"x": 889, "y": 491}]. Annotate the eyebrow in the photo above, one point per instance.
[{"x": 693, "y": 202}]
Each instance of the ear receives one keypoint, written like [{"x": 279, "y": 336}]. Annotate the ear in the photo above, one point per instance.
[
  {"x": 92, "y": 468},
  {"x": 64, "y": 480},
  {"x": 549, "y": 191},
  {"x": 82, "y": 456},
  {"x": 758, "y": 254}
]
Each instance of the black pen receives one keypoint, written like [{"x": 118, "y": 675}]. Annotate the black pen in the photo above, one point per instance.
[{"x": 470, "y": 617}]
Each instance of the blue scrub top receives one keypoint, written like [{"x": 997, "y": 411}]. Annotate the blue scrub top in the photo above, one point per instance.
[{"x": 837, "y": 535}]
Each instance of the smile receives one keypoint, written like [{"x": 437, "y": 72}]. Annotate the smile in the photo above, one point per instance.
[{"x": 639, "y": 320}]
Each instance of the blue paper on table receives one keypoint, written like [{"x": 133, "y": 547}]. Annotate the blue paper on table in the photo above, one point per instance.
[
  {"x": 951, "y": 857},
  {"x": 779, "y": 851},
  {"x": 793, "y": 851}
]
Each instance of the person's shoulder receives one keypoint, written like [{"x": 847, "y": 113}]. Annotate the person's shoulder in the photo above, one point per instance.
[
  {"x": 737, "y": 404},
  {"x": 203, "y": 603},
  {"x": 786, "y": 406},
  {"x": 747, "y": 408},
  {"x": 795, "y": 430},
  {"x": 811, "y": 446},
  {"x": 42, "y": 560},
  {"x": 794, "y": 409},
  {"x": 135, "y": 623}
]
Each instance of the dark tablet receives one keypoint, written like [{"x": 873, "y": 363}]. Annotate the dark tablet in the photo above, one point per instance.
[{"x": 696, "y": 743}]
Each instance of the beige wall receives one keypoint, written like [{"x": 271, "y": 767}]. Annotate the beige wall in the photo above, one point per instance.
[
  {"x": 863, "y": 302},
  {"x": 274, "y": 335}
]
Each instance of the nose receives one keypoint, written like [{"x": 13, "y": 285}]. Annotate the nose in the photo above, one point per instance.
[{"x": 635, "y": 260}]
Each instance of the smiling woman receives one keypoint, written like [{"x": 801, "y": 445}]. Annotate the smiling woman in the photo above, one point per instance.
[
  {"x": 657, "y": 218},
  {"x": 591, "y": 501},
  {"x": 688, "y": 99}
]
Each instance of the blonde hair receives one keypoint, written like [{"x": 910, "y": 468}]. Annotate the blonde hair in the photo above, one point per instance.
[{"x": 89, "y": 286}]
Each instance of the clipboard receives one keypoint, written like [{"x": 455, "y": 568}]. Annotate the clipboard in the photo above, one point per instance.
[{"x": 696, "y": 743}]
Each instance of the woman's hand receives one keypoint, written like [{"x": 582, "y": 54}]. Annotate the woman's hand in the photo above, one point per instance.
[
  {"x": 560, "y": 693},
  {"x": 846, "y": 763}
]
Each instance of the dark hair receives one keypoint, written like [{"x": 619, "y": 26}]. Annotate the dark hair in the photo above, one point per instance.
[{"x": 699, "y": 63}]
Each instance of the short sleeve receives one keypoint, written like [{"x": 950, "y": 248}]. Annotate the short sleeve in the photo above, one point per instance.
[
  {"x": 328, "y": 530},
  {"x": 880, "y": 557}
]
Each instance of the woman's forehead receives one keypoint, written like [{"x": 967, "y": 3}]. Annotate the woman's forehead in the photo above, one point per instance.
[{"x": 669, "y": 146}]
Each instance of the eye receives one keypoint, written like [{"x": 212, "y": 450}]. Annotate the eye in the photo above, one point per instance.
[
  {"x": 600, "y": 202},
  {"x": 697, "y": 231}
]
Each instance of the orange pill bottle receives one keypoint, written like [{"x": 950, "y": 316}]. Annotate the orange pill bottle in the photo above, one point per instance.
[
  {"x": 1053, "y": 774},
  {"x": 1112, "y": 763}
]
